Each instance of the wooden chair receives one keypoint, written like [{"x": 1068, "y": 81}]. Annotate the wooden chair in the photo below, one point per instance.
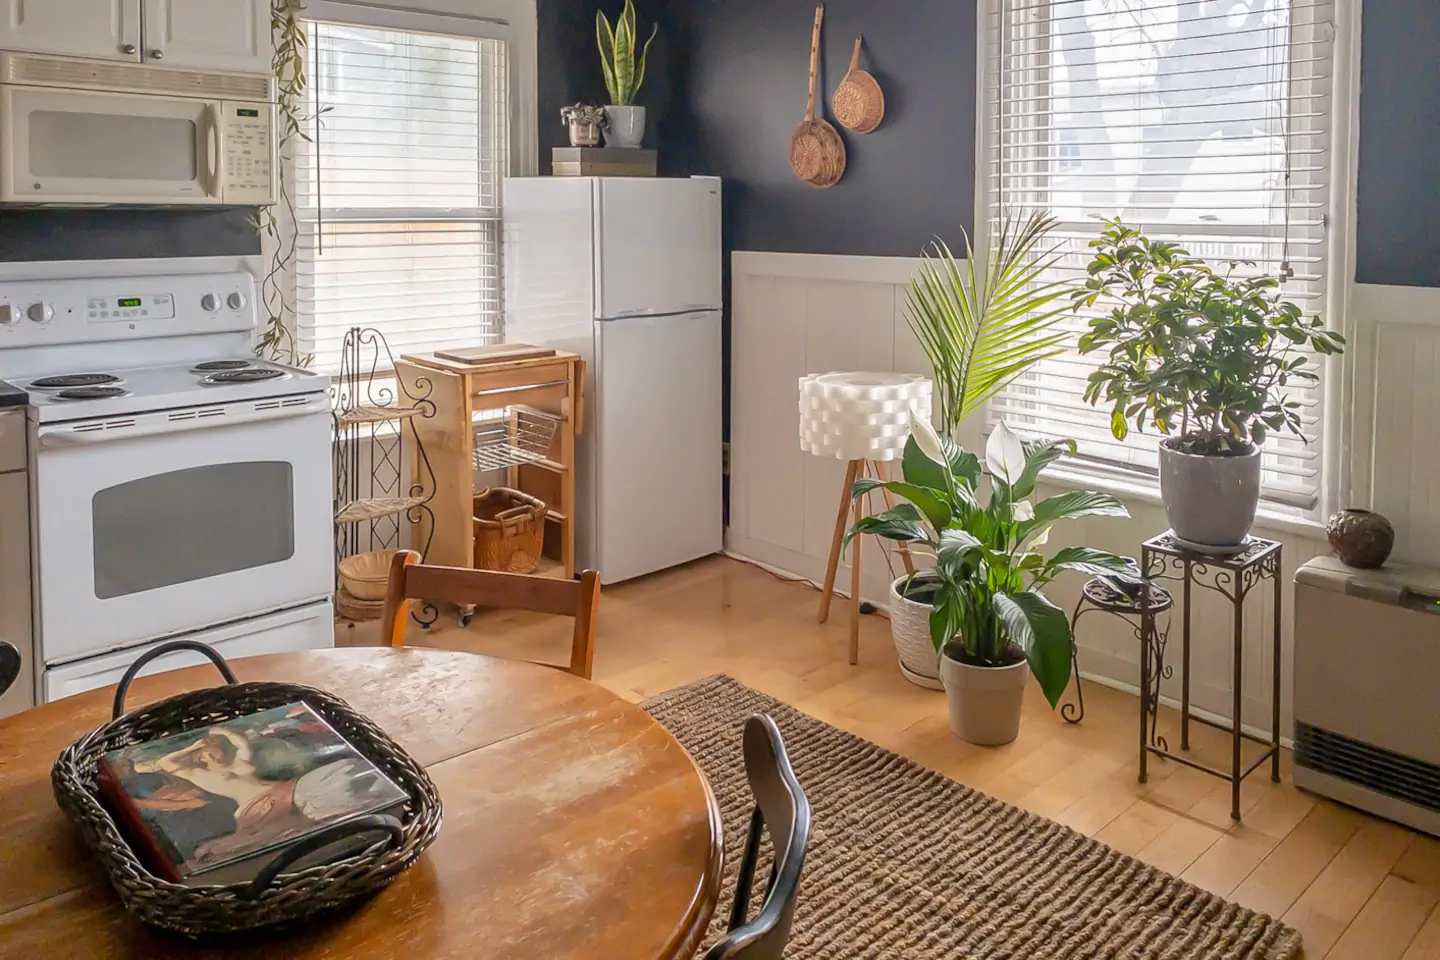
[
  {"x": 412, "y": 580},
  {"x": 782, "y": 808},
  {"x": 9, "y": 665}
]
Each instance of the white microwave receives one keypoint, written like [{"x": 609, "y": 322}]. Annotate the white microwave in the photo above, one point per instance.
[{"x": 83, "y": 133}]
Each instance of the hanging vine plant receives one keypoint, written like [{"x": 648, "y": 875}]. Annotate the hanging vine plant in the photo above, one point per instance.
[{"x": 276, "y": 224}]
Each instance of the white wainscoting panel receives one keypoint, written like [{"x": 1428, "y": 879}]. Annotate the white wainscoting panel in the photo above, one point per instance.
[{"x": 796, "y": 314}]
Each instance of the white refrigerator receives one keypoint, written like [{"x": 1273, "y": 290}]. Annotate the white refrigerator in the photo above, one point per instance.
[{"x": 625, "y": 271}]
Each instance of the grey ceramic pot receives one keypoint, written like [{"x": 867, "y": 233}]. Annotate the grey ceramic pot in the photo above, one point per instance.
[
  {"x": 1209, "y": 501},
  {"x": 984, "y": 702},
  {"x": 626, "y": 127}
]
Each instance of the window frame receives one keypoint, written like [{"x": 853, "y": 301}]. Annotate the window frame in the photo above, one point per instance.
[
  {"x": 1345, "y": 461},
  {"x": 512, "y": 21}
]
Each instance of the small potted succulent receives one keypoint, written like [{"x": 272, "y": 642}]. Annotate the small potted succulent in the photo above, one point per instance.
[
  {"x": 991, "y": 623},
  {"x": 623, "y": 76},
  {"x": 584, "y": 123},
  {"x": 1206, "y": 358}
]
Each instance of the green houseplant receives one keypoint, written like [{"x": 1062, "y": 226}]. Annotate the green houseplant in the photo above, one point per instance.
[
  {"x": 1206, "y": 358},
  {"x": 623, "y": 76},
  {"x": 991, "y": 622},
  {"x": 982, "y": 322}
]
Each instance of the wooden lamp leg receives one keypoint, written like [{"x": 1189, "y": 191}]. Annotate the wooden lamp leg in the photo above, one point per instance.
[
  {"x": 905, "y": 557},
  {"x": 840, "y": 519},
  {"x": 855, "y": 585}
]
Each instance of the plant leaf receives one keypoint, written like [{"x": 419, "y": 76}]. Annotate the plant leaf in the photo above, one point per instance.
[
  {"x": 931, "y": 503},
  {"x": 605, "y": 38},
  {"x": 1087, "y": 560},
  {"x": 1041, "y": 629}
]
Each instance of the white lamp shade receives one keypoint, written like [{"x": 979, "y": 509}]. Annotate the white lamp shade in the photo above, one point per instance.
[{"x": 860, "y": 416}]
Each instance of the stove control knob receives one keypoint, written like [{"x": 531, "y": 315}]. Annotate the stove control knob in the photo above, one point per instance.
[
  {"x": 41, "y": 312},
  {"x": 210, "y": 303},
  {"x": 9, "y": 314},
  {"x": 236, "y": 301}
]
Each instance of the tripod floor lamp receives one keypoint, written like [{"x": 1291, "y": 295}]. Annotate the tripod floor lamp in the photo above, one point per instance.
[{"x": 864, "y": 419}]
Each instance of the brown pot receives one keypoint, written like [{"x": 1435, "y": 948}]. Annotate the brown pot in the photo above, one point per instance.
[
  {"x": 1361, "y": 538},
  {"x": 584, "y": 134}
]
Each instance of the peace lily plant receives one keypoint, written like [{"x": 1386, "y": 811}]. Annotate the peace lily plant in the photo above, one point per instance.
[{"x": 990, "y": 612}]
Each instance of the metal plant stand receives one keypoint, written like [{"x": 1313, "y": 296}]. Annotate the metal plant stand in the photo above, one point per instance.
[
  {"x": 1097, "y": 595},
  {"x": 376, "y": 439},
  {"x": 1233, "y": 577}
]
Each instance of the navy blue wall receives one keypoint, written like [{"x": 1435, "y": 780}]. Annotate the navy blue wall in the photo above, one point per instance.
[
  {"x": 1398, "y": 229},
  {"x": 744, "y": 67}
]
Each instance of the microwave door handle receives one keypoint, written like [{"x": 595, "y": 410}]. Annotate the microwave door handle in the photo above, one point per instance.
[{"x": 213, "y": 150}]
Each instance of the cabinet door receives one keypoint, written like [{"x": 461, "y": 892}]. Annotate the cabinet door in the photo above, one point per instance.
[
  {"x": 225, "y": 35},
  {"x": 15, "y": 577},
  {"x": 104, "y": 29}
]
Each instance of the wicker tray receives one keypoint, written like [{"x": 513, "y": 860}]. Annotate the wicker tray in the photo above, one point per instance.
[{"x": 267, "y": 901}]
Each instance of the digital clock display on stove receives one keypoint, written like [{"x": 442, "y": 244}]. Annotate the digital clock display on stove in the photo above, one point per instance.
[{"x": 128, "y": 302}]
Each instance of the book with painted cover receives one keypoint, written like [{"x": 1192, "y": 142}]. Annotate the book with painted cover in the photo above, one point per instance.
[{"x": 218, "y": 804}]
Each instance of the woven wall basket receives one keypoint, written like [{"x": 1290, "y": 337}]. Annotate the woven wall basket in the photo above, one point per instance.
[
  {"x": 817, "y": 154},
  {"x": 858, "y": 103}
]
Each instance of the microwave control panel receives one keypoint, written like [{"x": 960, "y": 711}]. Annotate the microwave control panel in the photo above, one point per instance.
[{"x": 249, "y": 160}]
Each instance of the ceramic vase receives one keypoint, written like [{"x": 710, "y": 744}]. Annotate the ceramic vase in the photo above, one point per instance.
[
  {"x": 1361, "y": 538},
  {"x": 626, "y": 126}
]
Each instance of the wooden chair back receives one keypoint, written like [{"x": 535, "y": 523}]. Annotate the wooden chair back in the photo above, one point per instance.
[
  {"x": 9, "y": 665},
  {"x": 412, "y": 580},
  {"x": 782, "y": 809}
]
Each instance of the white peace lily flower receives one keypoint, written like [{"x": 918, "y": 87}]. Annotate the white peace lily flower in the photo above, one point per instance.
[
  {"x": 1005, "y": 454},
  {"x": 1025, "y": 510},
  {"x": 926, "y": 438}
]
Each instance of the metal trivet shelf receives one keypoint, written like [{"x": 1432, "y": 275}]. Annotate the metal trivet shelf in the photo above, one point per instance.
[
  {"x": 1233, "y": 577},
  {"x": 523, "y": 438},
  {"x": 1098, "y": 595}
]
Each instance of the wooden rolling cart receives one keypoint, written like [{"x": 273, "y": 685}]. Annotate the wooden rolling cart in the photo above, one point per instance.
[{"x": 500, "y": 421}]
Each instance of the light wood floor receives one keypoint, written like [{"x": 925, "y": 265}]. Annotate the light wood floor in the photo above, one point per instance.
[{"x": 1354, "y": 886}]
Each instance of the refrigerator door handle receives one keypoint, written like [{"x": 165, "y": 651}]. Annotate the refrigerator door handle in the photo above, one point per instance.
[{"x": 687, "y": 311}]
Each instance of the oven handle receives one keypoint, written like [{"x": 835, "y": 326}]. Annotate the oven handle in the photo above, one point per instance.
[{"x": 85, "y": 433}]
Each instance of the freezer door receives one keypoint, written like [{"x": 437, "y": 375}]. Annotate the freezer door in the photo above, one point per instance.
[
  {"x": 658, "y": 246},
  {"x": 659, "y": 436}
]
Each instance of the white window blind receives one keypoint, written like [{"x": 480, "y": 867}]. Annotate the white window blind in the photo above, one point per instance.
[
  {"x": 1199, "y": 121},
  {"x": 398, "y": 192}
]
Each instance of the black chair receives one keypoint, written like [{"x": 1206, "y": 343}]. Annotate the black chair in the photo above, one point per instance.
[
  {"x": 9, "y": 665},
  {"x": 780, "y": 806}
]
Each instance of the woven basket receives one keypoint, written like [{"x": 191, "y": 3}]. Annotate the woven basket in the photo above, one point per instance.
[
  {"x": 910, "y": 629},
  {"x": 283, "y": 900},
  {"x": 509, "y": 530}
]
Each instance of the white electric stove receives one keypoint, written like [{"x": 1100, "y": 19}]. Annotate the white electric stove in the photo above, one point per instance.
[{"x": 178, "y": 486}]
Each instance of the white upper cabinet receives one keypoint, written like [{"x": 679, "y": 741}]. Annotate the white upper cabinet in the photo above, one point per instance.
[
  {"x": 103, "y": 29},
  {"x": 222, "y": 35},
  {"x": 228, "y": 35}
]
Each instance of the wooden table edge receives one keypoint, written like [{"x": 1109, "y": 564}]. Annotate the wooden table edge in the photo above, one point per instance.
[{"x": 707, "y": 898}]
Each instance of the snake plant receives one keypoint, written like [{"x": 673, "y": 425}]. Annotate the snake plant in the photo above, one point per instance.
[{"x": 617, "y": 55}]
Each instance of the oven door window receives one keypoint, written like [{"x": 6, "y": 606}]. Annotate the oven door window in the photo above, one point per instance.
[{"x": 192, "y": 524}]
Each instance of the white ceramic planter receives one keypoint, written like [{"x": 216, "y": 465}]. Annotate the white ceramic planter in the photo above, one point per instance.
[
  {"x": 626, "y": 128},
  {"x": 984, "y": 702},
  {"x": 910, "y": 629},
  {"x": 1209, "y": 501}
]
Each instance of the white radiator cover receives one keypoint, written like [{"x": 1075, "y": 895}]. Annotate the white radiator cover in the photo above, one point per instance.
[{"x": 1367, "y": 688}]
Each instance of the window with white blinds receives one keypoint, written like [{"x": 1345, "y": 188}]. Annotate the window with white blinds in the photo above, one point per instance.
[
  {"x": 398, "y": 190},
  {"x": 1205, "y": 122}
]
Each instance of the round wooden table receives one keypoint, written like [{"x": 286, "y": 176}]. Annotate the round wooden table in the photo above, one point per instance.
[{"x": 575, "y": 825}]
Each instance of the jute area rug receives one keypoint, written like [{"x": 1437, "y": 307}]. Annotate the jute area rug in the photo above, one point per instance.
[{"x": 906, "y": 864}]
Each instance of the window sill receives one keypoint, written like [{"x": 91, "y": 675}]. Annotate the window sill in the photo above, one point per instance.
[{"x": 1267, "y": 519}]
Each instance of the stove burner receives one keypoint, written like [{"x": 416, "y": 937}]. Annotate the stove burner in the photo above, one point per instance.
[
  {"x": 74, "y": 380},
  {"x": 248, "y": 375},
  {"x": 210, "y": 366},
  {"x": 91, "y": 393}
]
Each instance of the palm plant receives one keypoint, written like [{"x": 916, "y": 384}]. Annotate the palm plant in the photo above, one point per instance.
[
  {"x": 989, "y": 608},
  {"x": 623, "y": 76},
  {"x": 982, "y": 326}
]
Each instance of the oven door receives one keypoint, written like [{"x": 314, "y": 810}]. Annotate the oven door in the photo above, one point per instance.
[
  {"x": 68, "y": 147},
  {"x": 162, "y": 523}
]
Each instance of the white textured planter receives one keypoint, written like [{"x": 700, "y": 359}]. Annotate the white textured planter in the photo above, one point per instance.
[
  {"x": 984, "y": 702},
  {"x": 1209, "y": 501},
  {"x": 627, "y": 126},
  {"x": 910, "y": 629}
]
